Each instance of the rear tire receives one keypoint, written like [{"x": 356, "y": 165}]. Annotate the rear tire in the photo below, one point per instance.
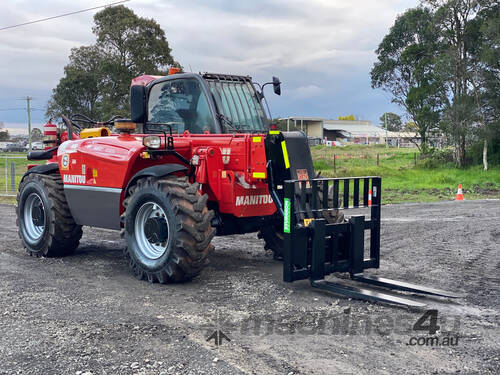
[
  {"x": 45, "y": 223},
  {"x": 272, "y": 234},
  {"x": 168, "y": 229}
]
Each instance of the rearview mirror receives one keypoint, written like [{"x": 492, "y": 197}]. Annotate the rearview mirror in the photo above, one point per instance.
[
  {"x": 138, "y": 103},
  {"x": 277, "y": 85}
]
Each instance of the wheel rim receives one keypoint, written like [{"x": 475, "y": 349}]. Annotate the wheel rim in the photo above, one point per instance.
[
  {"x": 151, "y": 230},
  {"x": 34, "y": 218}
]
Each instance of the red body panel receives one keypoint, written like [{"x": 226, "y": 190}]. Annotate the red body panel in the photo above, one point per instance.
[{"x": 226, "y": 167}]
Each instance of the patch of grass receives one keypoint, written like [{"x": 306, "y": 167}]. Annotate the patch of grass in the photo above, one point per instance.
[
  {"x": 402, "y": 180},
  {"x": 404, "y": 175},
  {"x": 7, "y": 200}
]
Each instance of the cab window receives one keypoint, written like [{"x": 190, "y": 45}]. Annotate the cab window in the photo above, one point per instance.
[{"x": 182, "y": 104}]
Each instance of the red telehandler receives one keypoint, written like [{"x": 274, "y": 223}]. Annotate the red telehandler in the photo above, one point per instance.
[{"x": 198, "y": 158}]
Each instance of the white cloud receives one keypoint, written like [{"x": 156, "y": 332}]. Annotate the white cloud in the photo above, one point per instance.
[
  {"x": 313, "y": 46},
  {"x": 304, "y": 92}
]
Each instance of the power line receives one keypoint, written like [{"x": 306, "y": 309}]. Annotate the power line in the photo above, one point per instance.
[
  {"x": 62, "y": 15},
  {"x": 21, "y": 109}
]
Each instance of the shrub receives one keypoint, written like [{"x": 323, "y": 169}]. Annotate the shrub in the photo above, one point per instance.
[
  {"x": 475, "y": 152},
  {"x": 435, "y": 158}
]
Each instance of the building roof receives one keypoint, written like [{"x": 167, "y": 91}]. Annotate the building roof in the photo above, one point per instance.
[
  {"x": 354, "y": 128},
  {"x": 303, "y": 118},
  {"x": 403, "y": 135}
]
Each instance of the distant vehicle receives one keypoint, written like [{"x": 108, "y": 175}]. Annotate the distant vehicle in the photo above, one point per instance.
[
  {"x": 15, "y": 147},
  {"x": 328, "y": 143},
  {"x": 3, "y": 145},
  {"x": 37, "y": 146}
]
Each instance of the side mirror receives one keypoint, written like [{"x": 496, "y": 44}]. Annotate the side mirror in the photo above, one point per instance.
[
  {"x": 138, "y": 103},
  {"x": 277, "y": 85}
]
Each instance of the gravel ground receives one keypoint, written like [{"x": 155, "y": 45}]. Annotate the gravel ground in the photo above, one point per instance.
[{"x": 86, "y": 314}]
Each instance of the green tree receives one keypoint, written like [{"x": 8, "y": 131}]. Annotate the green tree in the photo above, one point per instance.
[
  {"x": 97, "y": 79},
  {"x": 392, "y": 121},
  {"x": 4, "y": 134},
  {"x": 80, "y": 90},
  {"x": 133, "y": 46},
  {"x": 347, "y": 118},
  {"x": 484, "y": 39},
  {"x": 36, "y": 135},
  {"x": 405, "y": 68},
  {"x": 454, "y": 25}
]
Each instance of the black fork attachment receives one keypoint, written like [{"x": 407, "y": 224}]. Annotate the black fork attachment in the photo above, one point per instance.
[
  {"x": 315, "y": 245},
  {"x": 317, "y": 239}
]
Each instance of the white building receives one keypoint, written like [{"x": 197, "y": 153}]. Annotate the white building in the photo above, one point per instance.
[{"x": 348, "y": 131}]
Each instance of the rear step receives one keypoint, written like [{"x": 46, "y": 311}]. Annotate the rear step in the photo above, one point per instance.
[{"x": 315, "y": 245}]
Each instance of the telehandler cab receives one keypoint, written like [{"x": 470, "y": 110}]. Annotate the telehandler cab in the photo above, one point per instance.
[{"x": 197, "y": 158}]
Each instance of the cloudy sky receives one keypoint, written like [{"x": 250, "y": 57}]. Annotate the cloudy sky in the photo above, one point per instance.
[{"x": 322, "y": 50}]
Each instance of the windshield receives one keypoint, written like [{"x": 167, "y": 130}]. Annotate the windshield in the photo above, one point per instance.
[
  {"x": 182, "y": 104},
  {"x": 238, "y": 103}
]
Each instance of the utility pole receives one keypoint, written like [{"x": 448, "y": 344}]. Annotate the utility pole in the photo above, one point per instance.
[
  {"x": 385, "y": 125},
  {"x": 28, "y": 109}
]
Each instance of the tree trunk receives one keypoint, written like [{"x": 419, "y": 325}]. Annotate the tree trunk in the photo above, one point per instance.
[
  {"x": 461, "y": 152},
  {"x": 485, "y": 154}
]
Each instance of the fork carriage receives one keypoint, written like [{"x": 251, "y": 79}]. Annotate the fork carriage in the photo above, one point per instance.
[{"x": 316, "y": 246}]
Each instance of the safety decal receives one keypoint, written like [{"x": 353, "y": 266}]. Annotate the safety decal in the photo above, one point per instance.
[
  {"x": 259, "y": 175},
  {"x": 307, "y": 222},
  {"x": 286, "y": 216},
  {"x": 285, "y": 155},
  {"x": 65, "y": 161},
  {"x": 303, "y": 176}
]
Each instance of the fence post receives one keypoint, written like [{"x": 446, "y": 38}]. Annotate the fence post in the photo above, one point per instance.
[
  {"x": 378, "y": 156},
  {"x": 12, "y": 176},
  {"x": 6, "y": 177},
  {"x": 415, "y": 159},
  {"x": 334, "y": 163}
]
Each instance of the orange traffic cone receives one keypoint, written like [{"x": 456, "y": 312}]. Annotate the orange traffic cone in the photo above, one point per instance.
[
  {"x": 369, "y": 197},
  {"x": 460, "y": 195}
]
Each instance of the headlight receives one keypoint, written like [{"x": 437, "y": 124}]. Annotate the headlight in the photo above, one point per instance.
[
  {"x": 152, "y": 141},
  {"x": 195, "y": 160}
]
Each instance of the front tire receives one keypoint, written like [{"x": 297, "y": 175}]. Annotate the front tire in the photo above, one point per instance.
[
  {"x": 168, "y": 231},
  {"x": 45, "y": 223}
]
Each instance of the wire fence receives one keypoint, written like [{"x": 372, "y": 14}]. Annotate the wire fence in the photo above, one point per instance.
[
  {"x": 339, "y": 161},
  {"x": 13, "y": 167},
  {"x": 11, "y": 171}
]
